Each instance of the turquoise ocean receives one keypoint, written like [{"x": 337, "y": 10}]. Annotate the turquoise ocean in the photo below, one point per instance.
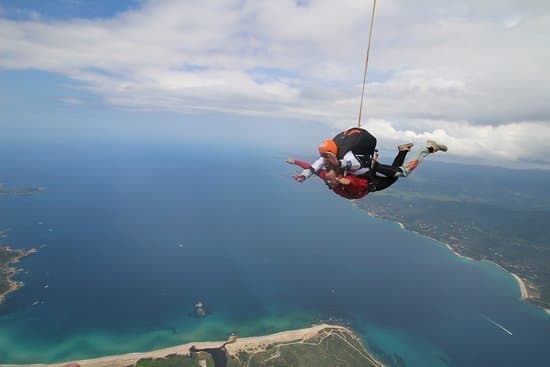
[{"x": 131, "y": 235}]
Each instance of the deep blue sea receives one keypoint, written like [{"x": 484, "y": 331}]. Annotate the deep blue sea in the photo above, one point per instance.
[{"x": 133, "y": 234}]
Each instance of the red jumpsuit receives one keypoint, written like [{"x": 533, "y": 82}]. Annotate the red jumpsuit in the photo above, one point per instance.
[{"x": 357, "y": 188}]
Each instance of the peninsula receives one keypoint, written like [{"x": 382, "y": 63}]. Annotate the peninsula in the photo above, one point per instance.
[
  {"x": 321, "y": 345},
  {"x": 9, "y": 257}
]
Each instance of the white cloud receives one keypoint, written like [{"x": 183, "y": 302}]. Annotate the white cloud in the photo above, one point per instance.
[
  {"x": 71, "y": 100},
  {"x": 474, "y": 74},
  {"x": 512, "y": 143}
]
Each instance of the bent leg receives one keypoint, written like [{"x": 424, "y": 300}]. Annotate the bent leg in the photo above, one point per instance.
[
  {"x": 394, "y": 169},
  {"x": 408, "y": 167},
  {"x": 400, "y": 158}
]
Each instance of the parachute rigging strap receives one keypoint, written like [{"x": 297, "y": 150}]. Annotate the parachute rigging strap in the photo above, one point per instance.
[{"x": 366, "y": 63}]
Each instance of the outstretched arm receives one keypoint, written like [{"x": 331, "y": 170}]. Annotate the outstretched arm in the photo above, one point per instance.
[
  {"x": 298, "y": 162},
  {"x": 308, "y": 170}
]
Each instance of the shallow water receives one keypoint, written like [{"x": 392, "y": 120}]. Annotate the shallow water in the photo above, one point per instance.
[{"x": 262, "y": 252}]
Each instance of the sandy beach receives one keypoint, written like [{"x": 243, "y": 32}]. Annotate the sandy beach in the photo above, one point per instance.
[
  {"x": 521, "y": 283},
  {"x": 252, "y": 343},
  {"x": 282, "y": 337},
  {"x": 522, "y": 287}
]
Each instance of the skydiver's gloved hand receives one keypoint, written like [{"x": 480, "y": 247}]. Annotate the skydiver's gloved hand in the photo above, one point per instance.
[
  {"x": 344, "y": 181},
  {"x": 290, "y": 160},
  {"x": 299, "y": 178}
]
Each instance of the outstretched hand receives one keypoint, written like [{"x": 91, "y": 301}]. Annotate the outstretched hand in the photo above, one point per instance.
[
  {"x": 299, "y": 178},
  {"x": 290, "y": 160}
]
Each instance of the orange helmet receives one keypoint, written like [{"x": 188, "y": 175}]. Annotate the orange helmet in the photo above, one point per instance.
[{"x": 328, "y": 146}]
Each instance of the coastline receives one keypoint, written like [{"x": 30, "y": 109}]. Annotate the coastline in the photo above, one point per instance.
[
  {"x": 524, "y": 293},
  {"x": 250, "y": 344},
  {"x": 453, "y": 250},
  {"x": 523, "y": 288},
  {"x": 14, "y": 285},
  {"x": 403, "y": 227}
]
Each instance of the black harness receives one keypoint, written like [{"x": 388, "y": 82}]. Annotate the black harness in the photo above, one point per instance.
[{"x": 359, "y": 141}]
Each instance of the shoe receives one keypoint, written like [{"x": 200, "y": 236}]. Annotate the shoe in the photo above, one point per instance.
[
  {"x": 434, "y": 146},
  {"x": 405, "y": 147}
]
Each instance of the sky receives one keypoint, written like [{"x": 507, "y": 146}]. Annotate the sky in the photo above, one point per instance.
[{"x": 473, "y": 74}]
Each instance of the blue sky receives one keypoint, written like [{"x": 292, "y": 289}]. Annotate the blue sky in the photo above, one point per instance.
[
  {"x": 39, "y": 106},
  {"x": 65, "y": 9},
  {"x": 473, "y": 75}
]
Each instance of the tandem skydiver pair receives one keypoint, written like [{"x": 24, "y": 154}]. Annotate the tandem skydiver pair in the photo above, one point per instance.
[{"x": 349, "y": 165}]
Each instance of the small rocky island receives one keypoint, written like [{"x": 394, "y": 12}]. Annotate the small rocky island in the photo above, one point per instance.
[{"x": 199, "y": 309}]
